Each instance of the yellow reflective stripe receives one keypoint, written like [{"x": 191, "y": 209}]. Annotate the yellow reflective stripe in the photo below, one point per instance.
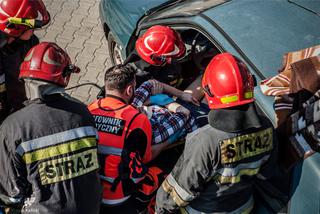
[
  {"x": 245, "y": 146},
  {"x": 174, "y": 195},
  {"x": 229, "y": 99},
  {"x": 248, "y": 95},
  {"x": 65, "y": 168},
  {"x": 236, "y": 179},
  {"x": 183, "y": 210},
  {"x": 248, "y": 209},
  {"x": 61, "y": 149},
  {"x": 22, "y": 21},
  {"x": 2, "y": 88}
]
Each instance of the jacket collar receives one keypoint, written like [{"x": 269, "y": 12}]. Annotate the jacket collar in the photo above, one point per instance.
[
  {"x": 111, "y": 103},
  {"x": 235, "y": 119}
]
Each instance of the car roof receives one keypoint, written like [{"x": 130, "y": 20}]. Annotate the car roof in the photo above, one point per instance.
[{"x": 265, "y": 30}]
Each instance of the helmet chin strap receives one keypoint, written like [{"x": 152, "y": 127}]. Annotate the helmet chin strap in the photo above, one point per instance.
[{"x": 36, "y": 89}]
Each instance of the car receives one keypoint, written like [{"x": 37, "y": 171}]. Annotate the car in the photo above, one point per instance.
[{"x": 258, "y": 32}]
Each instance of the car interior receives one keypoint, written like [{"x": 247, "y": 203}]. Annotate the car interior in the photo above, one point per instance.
[{"x": 199, "y": 52}]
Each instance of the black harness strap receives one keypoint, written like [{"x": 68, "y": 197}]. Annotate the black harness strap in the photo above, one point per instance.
[{"x": 124, "y": 159}]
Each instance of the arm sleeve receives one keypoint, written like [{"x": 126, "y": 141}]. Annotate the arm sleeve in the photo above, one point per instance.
[
  {"x": 13, "y": 176},
  {"x": 142, "y": 94},
  {"x": 188, "y": 177},
  {"x": 3, "y": 94},
  {"x": 162, "y": 131},
  {"x": 271, "y": 165}
]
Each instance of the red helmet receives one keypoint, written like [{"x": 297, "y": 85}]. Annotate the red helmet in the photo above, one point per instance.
[
  {"x": 48, "y": 62},
  {"x": 159, "y": 45},
  {"x": 11, "y": 10},
  {"x": 227, "y": 82}
]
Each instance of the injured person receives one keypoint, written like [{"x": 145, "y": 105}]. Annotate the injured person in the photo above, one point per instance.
[{"x": 170, "y": 121}]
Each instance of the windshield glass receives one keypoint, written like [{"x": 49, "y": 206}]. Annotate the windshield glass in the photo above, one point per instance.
[
  {"x": 188, "y": 8},
  {"x": 266, "y": 30}
]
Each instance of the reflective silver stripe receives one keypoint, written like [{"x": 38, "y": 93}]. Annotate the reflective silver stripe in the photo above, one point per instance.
[
  {"x": 2, "y": 78},
  {"x": 105, "y": 178},
  {"x": 108, "y": 150},
  {"x": 56, "y": 138},
  {"x": 227, "y": 172},
  {"x": 184, "y": 195},
  {"x": 302, "y": 142},
  {"x": 246, "y": 208},
  {"x": 137, "y": 180},
  {"x": 114, "y": 201}
]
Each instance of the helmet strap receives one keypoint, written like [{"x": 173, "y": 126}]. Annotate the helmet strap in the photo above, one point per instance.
[
  {"x": 207, "y": 91},
  {"x": 69, "y": 69},
  {"x": 162, "y": 59}
]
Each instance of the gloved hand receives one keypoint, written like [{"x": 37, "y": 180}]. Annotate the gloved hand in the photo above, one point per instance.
[{"x": 160, "y": 100}]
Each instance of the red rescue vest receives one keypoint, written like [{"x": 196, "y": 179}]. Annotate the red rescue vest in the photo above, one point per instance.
[{"x": 115, "y": 120}]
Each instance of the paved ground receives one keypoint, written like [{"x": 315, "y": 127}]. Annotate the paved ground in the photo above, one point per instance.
[{"x": 75, "y": 27}]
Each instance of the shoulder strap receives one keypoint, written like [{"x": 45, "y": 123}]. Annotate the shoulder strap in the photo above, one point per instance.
[{"x": 124, "y": 155}]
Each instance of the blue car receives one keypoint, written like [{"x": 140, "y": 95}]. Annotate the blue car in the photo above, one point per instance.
[{"x": 258, "y": 32}]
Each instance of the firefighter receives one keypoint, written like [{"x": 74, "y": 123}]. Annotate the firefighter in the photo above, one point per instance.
[
  {"x": 124, "y": 148},
  {"x": 221, "y": 160},
  {"x": 155, "y": 57},
  {"x": 18, "y": 19},
  {"x": 48, "y": 149},
  {"x": 156, "y": 54}
]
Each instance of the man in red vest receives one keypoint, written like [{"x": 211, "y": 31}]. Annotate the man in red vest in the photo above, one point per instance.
[{"x": 125, "y": 145}]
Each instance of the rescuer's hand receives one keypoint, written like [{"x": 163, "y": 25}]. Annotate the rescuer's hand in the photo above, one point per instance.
[
  {"x": 183, "y": 110},
  {"x": 188, "y": 97},
  {"x": 157, "y": 87}
]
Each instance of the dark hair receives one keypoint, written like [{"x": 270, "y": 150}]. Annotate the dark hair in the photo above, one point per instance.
[{"x": 119, "y": 77}]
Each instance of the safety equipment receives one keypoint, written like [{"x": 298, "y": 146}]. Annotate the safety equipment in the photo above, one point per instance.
[
  {"x": 159, "y": 45},
  {"x": 48, "y": 62},
  {"x": 202, "y": 184},
  {"x": 227, "y": 82},
  {"x": 59, "y": 134},
  {"x": 123, "y": 168},
  {"x": 17, "y": 16}
]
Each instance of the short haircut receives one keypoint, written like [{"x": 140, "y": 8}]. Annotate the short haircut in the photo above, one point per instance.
[{"x": 119, "y": 77}]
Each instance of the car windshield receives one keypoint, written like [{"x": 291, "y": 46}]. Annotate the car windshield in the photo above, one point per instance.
[
  {"x": 266, "y": 30},
  {"x": 188, "y": 8}
]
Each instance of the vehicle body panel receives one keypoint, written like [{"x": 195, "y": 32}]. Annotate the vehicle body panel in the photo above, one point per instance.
[
  {"x": 312, "y": 5},
  {"x": 306, "y": 186},
  {"x": 122, "y": 16}
]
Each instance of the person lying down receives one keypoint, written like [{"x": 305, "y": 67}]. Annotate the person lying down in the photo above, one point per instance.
[{"x": 170, "y": 121}]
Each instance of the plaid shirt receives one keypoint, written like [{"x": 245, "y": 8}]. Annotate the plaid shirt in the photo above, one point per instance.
[{"x": 164, "y": 123}]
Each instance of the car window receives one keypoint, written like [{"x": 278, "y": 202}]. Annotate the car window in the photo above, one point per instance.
[{"x": 199, "y": 51}]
